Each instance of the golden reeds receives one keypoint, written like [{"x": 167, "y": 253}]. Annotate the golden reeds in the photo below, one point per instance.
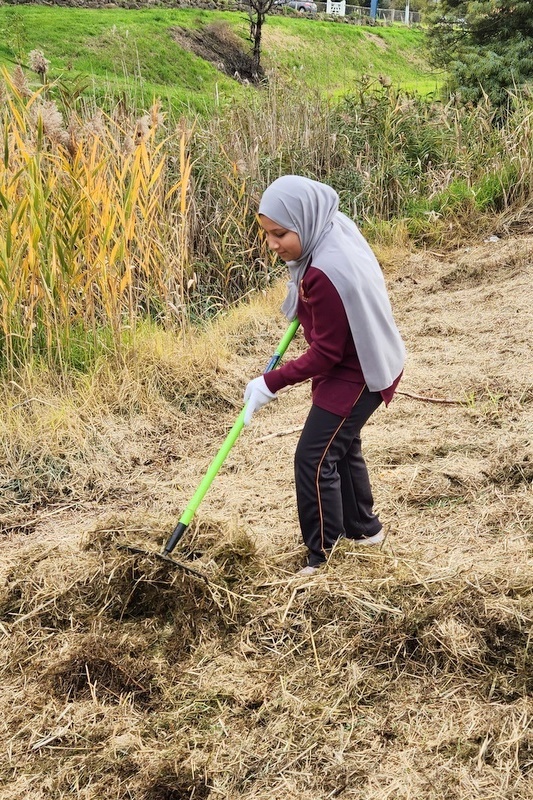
[{"x": 84, "y": 247}]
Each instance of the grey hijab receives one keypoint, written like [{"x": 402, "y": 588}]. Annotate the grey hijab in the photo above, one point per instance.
[{"x": 332, "y": 243}]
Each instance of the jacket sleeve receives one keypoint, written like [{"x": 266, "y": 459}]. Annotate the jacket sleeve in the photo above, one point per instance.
[{"x": 327, "y": 333}]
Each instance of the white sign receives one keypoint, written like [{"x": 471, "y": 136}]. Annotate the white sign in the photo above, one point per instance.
[{"x": 337, "y": 7}]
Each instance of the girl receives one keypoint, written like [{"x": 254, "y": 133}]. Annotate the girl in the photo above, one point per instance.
[{"x": 355, "y": 358}]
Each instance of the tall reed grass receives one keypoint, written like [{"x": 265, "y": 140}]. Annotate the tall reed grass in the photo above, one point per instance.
[
  {"x": 84, "y": 248},
  {"x": 112, "y": 220}
]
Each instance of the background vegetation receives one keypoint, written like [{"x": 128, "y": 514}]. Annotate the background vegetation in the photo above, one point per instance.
[
  {"x": 119, "y": 215},
  {"x": 485, "y": 47},
  {"x": 136, "y": 52}
]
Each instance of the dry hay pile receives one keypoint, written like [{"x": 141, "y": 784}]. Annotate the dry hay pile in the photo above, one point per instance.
[{"x": 395, "y": 674}]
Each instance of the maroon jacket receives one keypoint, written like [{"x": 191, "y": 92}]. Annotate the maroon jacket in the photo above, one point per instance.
[{"x": 331, "y": 359}]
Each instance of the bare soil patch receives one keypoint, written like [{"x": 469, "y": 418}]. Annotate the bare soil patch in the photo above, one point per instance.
[
  {"x": 218, "y": 44},
  {"x": 398, "y": 673}
]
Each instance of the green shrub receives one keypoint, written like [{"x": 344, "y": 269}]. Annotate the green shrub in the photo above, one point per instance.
[{"x": 494, "y": 191}]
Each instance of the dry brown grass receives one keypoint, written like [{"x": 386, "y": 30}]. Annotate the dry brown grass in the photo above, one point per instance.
[{"x": 392, "y": 675}]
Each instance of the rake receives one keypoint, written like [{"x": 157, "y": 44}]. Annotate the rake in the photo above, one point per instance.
[{"x": 207, "y": 480}]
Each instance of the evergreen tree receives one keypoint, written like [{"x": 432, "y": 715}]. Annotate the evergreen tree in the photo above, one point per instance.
[{"x": 485, "y": 45}]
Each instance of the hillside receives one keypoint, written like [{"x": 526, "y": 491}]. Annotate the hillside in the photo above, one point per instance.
[
  {"x": 144, "y": 53},
  {"x": 400, "y": 673}
]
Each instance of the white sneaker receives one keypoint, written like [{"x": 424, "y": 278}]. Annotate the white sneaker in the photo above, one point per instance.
[
  {"x": 377, "y": 538},
  {"x": 305, "y": 571}
]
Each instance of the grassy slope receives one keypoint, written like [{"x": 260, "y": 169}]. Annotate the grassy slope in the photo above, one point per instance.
[
  {"x": 134, "y": 50},
  {"x": 123, "y": 49},
  {"x": 333, "y": 56}
]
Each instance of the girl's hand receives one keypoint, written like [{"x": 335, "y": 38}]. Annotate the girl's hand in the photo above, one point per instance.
[{"x": 256, "y": 395}]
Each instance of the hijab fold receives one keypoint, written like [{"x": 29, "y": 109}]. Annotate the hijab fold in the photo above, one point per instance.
[{"x": 332, "y": 243}]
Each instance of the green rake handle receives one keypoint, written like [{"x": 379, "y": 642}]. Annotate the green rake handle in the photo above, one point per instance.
[{"x": 220, "y": 457}]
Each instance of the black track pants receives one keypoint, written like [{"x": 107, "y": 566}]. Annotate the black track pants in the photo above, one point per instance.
[{"x": 332, "y": 485}]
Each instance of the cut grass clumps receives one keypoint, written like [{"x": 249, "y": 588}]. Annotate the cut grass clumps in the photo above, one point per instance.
[
  {"x": 377, "y": 648},
  {"x": 105, "y": 670},
  {"x": 140, "y": 678},
  {"x": 174, "y": 783},
  {"x": 512, "y": 467},
  {"x": 112, "y": 585}
]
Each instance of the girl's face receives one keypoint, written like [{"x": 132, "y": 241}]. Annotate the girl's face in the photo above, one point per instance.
[{"x": 285, "y": 243}]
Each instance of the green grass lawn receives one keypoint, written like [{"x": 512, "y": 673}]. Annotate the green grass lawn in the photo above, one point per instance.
[
  {"x": 133, "y": 51},
  {"x": 121, "y": 50},
  {"x": 333, "y": 56}
]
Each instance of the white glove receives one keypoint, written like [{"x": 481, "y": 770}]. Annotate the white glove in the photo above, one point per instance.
[{"x": 256, "y": 395}]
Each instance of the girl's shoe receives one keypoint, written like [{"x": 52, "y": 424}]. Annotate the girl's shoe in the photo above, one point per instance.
[
  {"x": 306, "y": 571},
  {"x": 377, "y": 538}
]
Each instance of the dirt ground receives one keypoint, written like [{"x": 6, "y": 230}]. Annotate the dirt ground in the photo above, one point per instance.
[
  {"x": 218, "y": 44},
  {"x": 395, "y": 674}
]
